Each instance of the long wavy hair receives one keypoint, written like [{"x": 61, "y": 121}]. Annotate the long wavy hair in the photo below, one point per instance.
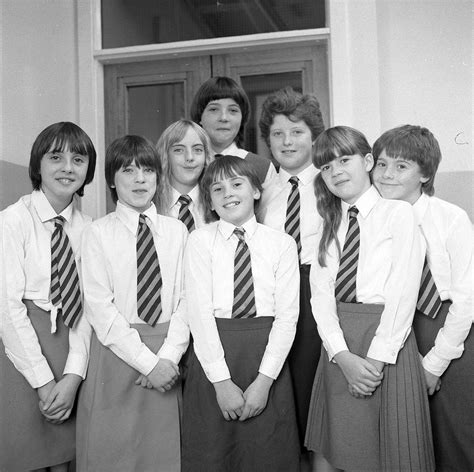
[
  {"x": 170, "y": 136},
  {"x": 330, "y": 144}
]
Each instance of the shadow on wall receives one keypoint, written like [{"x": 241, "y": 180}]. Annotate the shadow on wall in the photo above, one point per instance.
[
  {"x": 14, "y": 183},
  {"x": 457, "y": 188}
]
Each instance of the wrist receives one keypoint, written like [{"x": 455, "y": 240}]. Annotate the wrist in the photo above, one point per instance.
[{"x": 264, "y": 381}]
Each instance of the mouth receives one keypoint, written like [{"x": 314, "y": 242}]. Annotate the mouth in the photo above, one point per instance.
[
  {"x": 231, "y": 204},
  {"x": 341, "y": 182},
  {"x": 65, "y": 180},
  {"x": 288, "y": 151},
  {"x": 140, "y": 191}
]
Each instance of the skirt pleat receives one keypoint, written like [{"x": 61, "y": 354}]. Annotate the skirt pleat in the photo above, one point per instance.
[
  {"x": 122, "y": 426},
  {"x": 265, "y": 443},
  {"x": 27, "y": 440},
  {"x": 452, "y": 407}
]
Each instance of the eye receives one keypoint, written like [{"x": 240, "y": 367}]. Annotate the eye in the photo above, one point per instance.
[
  {"x": 149, "y": 170},
  {"x": 297, "y": 132},
  {"x": 198, "y": 149},
  {"x": 402, "y": 166},
  {"x": 177, "y": 150},
  {"x": 79, "y": 159},
  {"x": 235, "y": 110},
  {"x": 216, "y": 189},
  {"x": 127, "y": 170},
  {"x": 324, "y": 168},
  {"x": 54, "y": 156},
  {"x": 276, "y": 134},
  {"x": 380, "y": 164},
  {"x": 212, "y": 108}
]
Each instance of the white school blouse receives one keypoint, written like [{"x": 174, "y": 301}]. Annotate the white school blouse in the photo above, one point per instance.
[
  {"x": 195, "y": 207},
  {"x": 447, "y": 232},
  {"x": 209, "y": 282},
  {"x": 109, "y": 272},
  {"x": 272, "y": 208},
  {"x": 26, "y": 232},
  {"x": 388, "y": 273},
  {"x": 233, "y": 150}
]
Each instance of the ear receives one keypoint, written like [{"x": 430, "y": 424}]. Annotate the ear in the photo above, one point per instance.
[
  {"x": 369, "y": 161},
  {"x": 423, "y": 180},
  {"x": 256, "y": 194}
]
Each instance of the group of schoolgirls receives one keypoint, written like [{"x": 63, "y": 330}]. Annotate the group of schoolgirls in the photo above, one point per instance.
[{"x": 328, "y": 264}]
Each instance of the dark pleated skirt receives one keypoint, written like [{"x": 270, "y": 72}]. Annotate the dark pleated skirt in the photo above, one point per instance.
[
  {"x": 268, "y": 442},
  {"x": 27, "y": 440},
  {"x": 304, "y": 355},
  {"x": 122, "y": 426},
  {"x": 452, "y": 407},
  {"x": 388, "y": 431}
]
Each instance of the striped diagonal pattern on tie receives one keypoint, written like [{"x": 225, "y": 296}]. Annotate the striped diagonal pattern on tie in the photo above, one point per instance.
[
  {"x": 429, "y": 301},
  {"x": 244, "y": 295},
  {"x": 345, "y": 288},
  {"x": 148, "y": 275},
  {"x": 184, "y": 213},
  {"x": 65, "y": 288},
  {"x": 292, "y": 223}
]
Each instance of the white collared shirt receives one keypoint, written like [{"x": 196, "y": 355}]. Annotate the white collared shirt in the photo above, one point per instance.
[
  {"x": 110, "y": 284},
  {"x": 233, "y": 150},
  {"x": 388, "y": 273},
  {"x": 195, "y": 207},
  {"x": 272, "y": 208},
  {"x": 447, "y": 232},
  {"x": 26, "y": 232},
  {"x": 209, "y": 282}
]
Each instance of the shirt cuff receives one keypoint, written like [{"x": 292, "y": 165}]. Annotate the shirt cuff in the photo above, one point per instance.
[
  {"x": 39, "y": 375},
  {"x": 76, "y": 364},
  {"x": 435, "y": 364},
  {"x": 217, "y": 371},
  {"x": 170, "y": 353},
  {"x": 335, "y": 344},
  {"x": 383, "y": 351},
  {"x": 271, "y": 366},
  {"x": 146, "y": 361}
]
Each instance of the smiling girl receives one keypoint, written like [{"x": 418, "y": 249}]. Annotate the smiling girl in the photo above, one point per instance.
[
  {"x": 241, "y": 285},
  {"x": 184, "y": 152},
  {"x": 45, "y": 335},
  {"x": 132, "y": 271},
  {"x": 222, "y": 108},
  {"x": 369, "y": 408}
]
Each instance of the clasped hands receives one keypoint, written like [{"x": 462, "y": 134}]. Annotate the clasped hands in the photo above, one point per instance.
[
  {"x": 238, "y": 405},
  {"x": 363, "y": 375},
  {"x": 163, "y": 376}
]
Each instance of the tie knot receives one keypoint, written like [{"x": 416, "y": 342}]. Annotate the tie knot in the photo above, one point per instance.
[
  {"x": 59, "y": 221},
  {"x": 352, "y": 212},
  {"x": 184, "y": 199},
  {"x": 294, "y": 181},
  {"x": 141, "y": 219},
  {"x": 239, "y": 232}
]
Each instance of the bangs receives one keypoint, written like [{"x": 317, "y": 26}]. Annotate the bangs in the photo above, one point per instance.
[
  {"x": 223, "y": 168},
  {"x": 65, "y": 142}
]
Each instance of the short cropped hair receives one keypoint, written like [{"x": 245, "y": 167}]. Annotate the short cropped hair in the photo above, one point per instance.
[
  {"x": 226, "y": 167},
  {"x": 124, "y": 151},
  {"x": 59, "y": 137},
  {"x": 295, "y": 106},
  {"x": 413, "y": 143},
  {"x": 217, "y": 88}
]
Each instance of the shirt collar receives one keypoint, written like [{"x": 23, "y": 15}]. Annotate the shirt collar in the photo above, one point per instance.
[
  {"x": 232, "y": 150},
  {"x": 44, "y": 209},
  {"x": 421, "y": 207},
  {"x": 193, "y": 194},
  {"x": 227, "y": 229},
  {"x": 129, "y": 217},
  {"x": 364, "y": 204},
  {"x": 306, "y": 176}
]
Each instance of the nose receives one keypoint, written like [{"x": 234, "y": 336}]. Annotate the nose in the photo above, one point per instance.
[
  {"x": 287, "y": 139},
  {"x": 140, "y": 175},
  {"x": 336, "y": 169},
  {"x": 388, "y": 174},
  {"x": 188, "y": 155},
  {"x": 228, "y": 191},
  {"x": 224, "y": 115},
  {"x": 67, "y": 164}
]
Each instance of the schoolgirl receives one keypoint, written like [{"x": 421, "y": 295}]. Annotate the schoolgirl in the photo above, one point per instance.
[
  {"x": 222, "y": 108},
  {"x": 184, "y": 152},
  {"x": 242, "y": 291},
  {"x": 406, "y": 160},
  {"x": 369, "y": 408},
  {"x": 289, "y": 124},
  {"x": 128, "y": 417},
  {"x": 45, "y": 337}
]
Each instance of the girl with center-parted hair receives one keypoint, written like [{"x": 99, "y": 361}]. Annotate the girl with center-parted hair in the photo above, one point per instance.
[
  {"x": 44, "y": 332},
  {"x": 369, "y": 408},
  {"x": 222, "y": 108},
  {"x": 132, "y": 270},
  {"x": 184, "y": 152}
]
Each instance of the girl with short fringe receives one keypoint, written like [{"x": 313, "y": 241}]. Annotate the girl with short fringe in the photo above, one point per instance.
[
  {"x": 45, "y": 334},
  {"x": 128, "y": 412},
  {"x": 369, "y": 408},
  {"x": 184, "y": 152},
  {"x": 238, "y": 401}
]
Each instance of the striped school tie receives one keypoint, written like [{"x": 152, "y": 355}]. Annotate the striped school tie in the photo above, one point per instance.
[
  {"x": 429, "y": 301},
  {"x": 184, "y": 212},
  {"x": 148, "y": 275},
  {"x": 244, "y": 296},
  {"x": 65, "y": 288},
  {"x": 292, "y": 223},
  {"x": 347, "y": 273}
]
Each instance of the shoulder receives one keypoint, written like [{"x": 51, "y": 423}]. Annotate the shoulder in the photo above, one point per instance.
[
  {"x": 101, "y": 225},
  {"x": 19, "y": 214},
  {"x": 274, "y": 237},
  {"x": 172, "y": 228},
  {"x": 204, "y": 233},
  {"x": 450, "y": 210}
]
